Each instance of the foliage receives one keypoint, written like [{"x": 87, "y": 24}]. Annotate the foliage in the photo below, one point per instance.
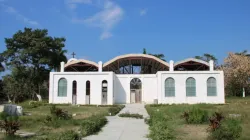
[
  {"x": 207, "y": 57},
  {"x": 160, "y": 55},
  {"x": 215, "y": 121},
  {"x": 137, "y": 116},
  {"x": 59, "y": 113},
  {"x": 9, "y": 123},
  {"x": 2, "y": 93},
  {"x": 31, "y": 55},
  {"x": 92, "y": 125},
  {"x": 195, "y": 116},
  {"x": 69, "y": 135},
  {"x": 236, "y": 69},
  {"x": 230, "y": 129},
  {"x": 115, "y": 110},
  {"x": 159, "y": 127}
]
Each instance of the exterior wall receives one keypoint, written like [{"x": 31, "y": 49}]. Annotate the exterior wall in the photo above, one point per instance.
[
  {"x": 122, "y": 87},
  {"x": 95, "y": 79},
  {"x": 153, "y": 87},
  {"x": 180, "y": 78}
]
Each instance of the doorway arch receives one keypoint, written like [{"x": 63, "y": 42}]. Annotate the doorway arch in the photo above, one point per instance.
[
  {"x": 135, "y": 90},
  {"x": 104, "y": 92},
  {"x": 87, "y": 92},
  {"x": 74, "y": 94}
]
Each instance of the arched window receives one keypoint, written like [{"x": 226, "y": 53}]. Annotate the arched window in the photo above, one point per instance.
[
  {"x": 190, "y": 87},
  {"x": 88, "y": 88},
  {"x": 62, "y": 87},
  {"x": 211, "y": 87},
  {"x": 169, "y": 87},
  {"x": 104, "y": 92}
]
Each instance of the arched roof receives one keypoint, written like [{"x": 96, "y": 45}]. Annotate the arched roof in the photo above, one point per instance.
[
  {"x": 79, "y": 61},
  {"x": 135, "y": 55},
  {"x": 80, "y": 65},
  {"x": 191, "y": 64},
  {"x": 191, "y": 59}
]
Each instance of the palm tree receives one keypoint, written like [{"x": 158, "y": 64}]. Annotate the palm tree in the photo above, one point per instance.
[
  {"x": 245, "y": 52},
  {"x": 59, "y": 57},
  {"x": 207, "y": 57},
  {"x": 160, "y": 56}
]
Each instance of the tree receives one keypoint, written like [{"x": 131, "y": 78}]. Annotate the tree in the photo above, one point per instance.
[
  {"x": 237, "y": 71},
  {"x": 35, "y": 53},
  {"x": 245, "y": 52},
  {"x": 207, "y": 57},
  {"x": 160, "y": 56}
]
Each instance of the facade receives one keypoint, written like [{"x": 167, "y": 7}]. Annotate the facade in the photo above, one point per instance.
[{"x": 137, "y": 78}]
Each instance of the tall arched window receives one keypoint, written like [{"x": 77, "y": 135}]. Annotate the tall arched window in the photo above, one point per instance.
[
  {"x": 169, "y": 87},
  {"x": 62, "y": 87},
  {"x": 211, "y": 87},
  {"x": 190, "y": 87},
  {"x": 87, "y": 92}
]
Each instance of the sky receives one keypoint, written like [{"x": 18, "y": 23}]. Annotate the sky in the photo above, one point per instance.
[{"x": 99, "y": 30}]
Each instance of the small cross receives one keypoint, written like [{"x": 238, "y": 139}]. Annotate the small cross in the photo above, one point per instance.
[{"x": 73, "y": 54}]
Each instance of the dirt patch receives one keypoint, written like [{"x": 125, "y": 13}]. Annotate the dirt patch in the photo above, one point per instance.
[{"x": 193, "y": 132}]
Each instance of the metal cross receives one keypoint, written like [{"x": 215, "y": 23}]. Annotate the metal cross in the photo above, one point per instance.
[{"x": 73, "y": 54}]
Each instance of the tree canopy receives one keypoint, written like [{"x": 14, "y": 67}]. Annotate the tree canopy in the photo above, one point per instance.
[
  {"x": 160, "y": 56},
  {"x": 31, "y": 54}
]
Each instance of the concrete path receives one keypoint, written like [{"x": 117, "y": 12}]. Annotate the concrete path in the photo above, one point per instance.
[{"x": 124, "y": 128}]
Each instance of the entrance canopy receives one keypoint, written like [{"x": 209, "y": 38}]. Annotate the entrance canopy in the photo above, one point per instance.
[
  {"x": 135, "y": 64},
  {"x": 191, "y": 64},
  {"x": 81, "y": 65}
]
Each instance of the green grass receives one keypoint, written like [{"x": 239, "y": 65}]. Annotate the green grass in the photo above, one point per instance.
[
  {"x": 182, "y": 130},
  {"x": 35, "y": 121}
]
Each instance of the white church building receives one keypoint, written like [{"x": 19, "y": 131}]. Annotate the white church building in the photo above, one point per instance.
[{"x": 136, "y": 78}]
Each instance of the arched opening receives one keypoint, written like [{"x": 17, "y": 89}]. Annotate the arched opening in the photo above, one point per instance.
[
  {"x": 74, "y": 90},
  {"x": 62, "y": 87},
  {"x": 190, "y": 87},
  {"x": 88, "y": 92},
  {"x": 104, "y": 92},
  {"x": 135, "y": 90},
  {"x": 211, "y": 87},
  {"x": 169, "y": 87}
]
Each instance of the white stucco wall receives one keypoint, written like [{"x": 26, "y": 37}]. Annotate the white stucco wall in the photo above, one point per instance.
[
  {"x": 153, "y": 87},
  {"x": 180, "y": 78},
  {"x": 122, "y": 87},
  {"x": 95, "y": 79}
]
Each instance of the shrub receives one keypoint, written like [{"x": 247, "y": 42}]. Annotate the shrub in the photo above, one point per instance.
[
  {"x": 92, "y": 125},
  {"x": 137, "y": 116},
  {"x": 195, "y": 116},
  {"x": 9, "y": 123},
  {"x": 60, "y": 113},
  {"x": 159, "y": 127},
  {"x": 230, "y": 129},
  {"x": 215, "y": 121},
  {"x": 69, "y": 135}
]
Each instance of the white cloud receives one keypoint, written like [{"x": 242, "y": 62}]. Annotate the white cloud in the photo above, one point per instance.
[
  {"x": 109, "y": 16},
  {"x": 72, "y": 4},
  {"x": 105, "y": 35},
  {"x": 13, "y": 11},
  {"x": 143, "y": 12}
]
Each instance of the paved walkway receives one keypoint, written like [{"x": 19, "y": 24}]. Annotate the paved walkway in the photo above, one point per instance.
[{"x": 124, "y": 128}]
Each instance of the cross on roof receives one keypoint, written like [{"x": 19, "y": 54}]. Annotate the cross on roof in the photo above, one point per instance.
[{"x": 73, "y": 54}]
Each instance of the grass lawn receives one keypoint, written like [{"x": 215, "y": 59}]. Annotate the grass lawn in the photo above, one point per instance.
[
  {"x": 199, "y": 132},
  {"x": 34, "y": 122}
]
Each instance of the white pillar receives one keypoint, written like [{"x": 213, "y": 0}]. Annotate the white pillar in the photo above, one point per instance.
[
  {"x": 171, "y": 65},
  {"x": 62, "y": 67},
  {"x": 100, "y": 66},
  {"x": 211, "y": 65}
]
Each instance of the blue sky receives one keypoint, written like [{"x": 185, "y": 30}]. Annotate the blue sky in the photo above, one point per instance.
[{"x": 102, "y": 29}]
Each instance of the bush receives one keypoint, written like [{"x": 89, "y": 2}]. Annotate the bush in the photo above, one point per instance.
[
  {"x": 69, "y": 135},
  {"x": 230, "y": 129},
  {"x": 137, "y": 116},
  {"x": 92, "y": 125},
  {"x": 159, "y": 127},
  {"x": 59, "y": 113},
  {"x": 195, "y": 116},
  {"x": 9, "y": 123}
]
